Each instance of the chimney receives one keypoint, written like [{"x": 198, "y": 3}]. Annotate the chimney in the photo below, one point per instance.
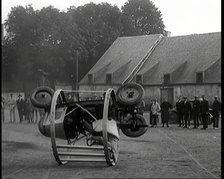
[{"x": 167, "y": 33}]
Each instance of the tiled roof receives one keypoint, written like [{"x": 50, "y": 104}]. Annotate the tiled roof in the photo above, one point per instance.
[
  {"x": 181, "y": 57},
  {"x": 195, "y": 52},
  {"x": 126, "y": 52}
]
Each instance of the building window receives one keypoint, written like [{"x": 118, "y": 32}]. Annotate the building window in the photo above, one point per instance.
[
  {"x": 199, "y": 77},
  {"x": 139, "y": 79},
  {"x": 109, "y": 78},
  {"x": 166, "y": 79},
  {"x": 90, "y": 78}
]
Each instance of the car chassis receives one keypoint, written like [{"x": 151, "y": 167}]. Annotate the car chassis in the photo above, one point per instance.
[{"x": 99, "y": 121}]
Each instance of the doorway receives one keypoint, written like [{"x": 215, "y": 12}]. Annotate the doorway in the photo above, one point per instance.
[{"x": 168, "y": 94}]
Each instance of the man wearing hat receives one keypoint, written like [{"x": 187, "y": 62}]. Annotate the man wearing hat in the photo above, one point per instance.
[
  {"x": 12, "y": 105},
  {"x": 196, "y": 111},
  {"x": 204, "y": 111},
  {"x": 216, "y": 108},
  {"x": 186, "y": 112},
  {"x": 165, "y": 107},
  {"x": 155, "y": 108},
  {"x": 3, "y": 109},
  {"x": 21, "y": 107},
  {"x": 179, "y": 108}
]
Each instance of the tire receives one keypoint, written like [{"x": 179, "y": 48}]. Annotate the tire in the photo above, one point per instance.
[
  {"x": 135, "y": 131},
  {"x": 130, "y": 94},
  {"x": 42, "y": 97},
  {"x": 173, "y": 118}
]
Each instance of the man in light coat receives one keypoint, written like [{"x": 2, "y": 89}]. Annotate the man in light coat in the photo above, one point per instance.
[
  {"x": 12, "y": 107},
  {"x": 155, "y": 109}
]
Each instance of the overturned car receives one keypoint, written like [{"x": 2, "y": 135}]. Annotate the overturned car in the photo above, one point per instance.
[{"x": 98, "y": 120}]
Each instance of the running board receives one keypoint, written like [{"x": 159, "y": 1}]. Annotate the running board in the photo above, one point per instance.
[
  {"x": 80, "y": 147},
  {"x": 84, "y": 160},
  {"x": 81, "y": 154}
]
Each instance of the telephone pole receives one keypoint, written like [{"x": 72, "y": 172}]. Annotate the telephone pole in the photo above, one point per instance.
[{"x": 77, "y": 73}]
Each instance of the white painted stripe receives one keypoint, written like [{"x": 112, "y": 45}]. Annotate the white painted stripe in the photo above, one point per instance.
[
  {"x": 194, "y": 159},
  {"x": 15, "y": 172},
  {"x": 24, "y": 168}
]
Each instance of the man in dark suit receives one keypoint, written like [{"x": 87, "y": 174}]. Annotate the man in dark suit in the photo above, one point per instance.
[
  {"x": 204, "y": 111},
  {"x": 216, "y": 108},
  {"x": 186, "y": 112},
  {"x": 21, "y": 107},
  {"x": 165, "y": 106},
  {"x": 3, "y": 109},
  {"x": 196, "y": 111},
  {"x": 179, "y": 107},
  {"x": 150, "y": 112}
]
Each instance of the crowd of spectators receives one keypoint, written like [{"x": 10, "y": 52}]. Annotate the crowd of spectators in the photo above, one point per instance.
[
  {"x": 26, "y": 111},
  {"x": 196, "y": 111}
]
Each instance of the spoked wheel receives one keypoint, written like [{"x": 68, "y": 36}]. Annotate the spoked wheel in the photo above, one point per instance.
[
  {"x": 110, "y": 143},
  {"x": 41, "y": 97},
  {"x": 130, "y": 94},
  {"x": 134, "y": 126}
]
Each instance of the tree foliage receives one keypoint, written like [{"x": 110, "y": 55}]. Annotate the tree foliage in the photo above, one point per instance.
[
  {"x": 141, "y": 17},
  {"x": 47, "y": 40}
]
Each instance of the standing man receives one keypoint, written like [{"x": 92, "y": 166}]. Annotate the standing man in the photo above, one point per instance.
[
  {"x": 179, "y": 107},
  {"x": 21, "y": 107},
  {"x": 3, "y": 109},
  {"x": 141, "y": 107},
  {"x": 28, "y": 110},
  {"x": 216, "y": 108},
  {"x": 165, "y": 106},
  {"x": 12, "y": 107},
  {"x": 150, "y": 112},
  {"x": 196, "y": 111},
  {"x": 204, "y": 111},
  {"x": 186, "y": 112},
  {"x": 155, "y": 108}
]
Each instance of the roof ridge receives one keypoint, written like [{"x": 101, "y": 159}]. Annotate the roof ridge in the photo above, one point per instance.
[{"x": 137, "y": 36}]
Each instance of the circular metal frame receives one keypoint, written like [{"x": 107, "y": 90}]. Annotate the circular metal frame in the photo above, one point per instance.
[
  {"x": 110, "y": 150},
  {"x": 52, "y": 127},
  {"x": 110, "y": 144}
]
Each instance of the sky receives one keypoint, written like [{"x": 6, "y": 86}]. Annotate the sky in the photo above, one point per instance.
[{"x": 181, "y": 17}]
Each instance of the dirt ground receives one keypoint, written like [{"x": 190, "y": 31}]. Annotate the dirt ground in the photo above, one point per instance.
[{"x": 172, "y": 152}]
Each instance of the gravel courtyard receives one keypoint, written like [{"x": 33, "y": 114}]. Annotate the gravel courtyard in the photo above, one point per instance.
[{"x": 160, "y": 153}]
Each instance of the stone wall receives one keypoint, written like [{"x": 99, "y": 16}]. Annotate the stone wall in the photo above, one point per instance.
[{"x": 152, "y": 92}]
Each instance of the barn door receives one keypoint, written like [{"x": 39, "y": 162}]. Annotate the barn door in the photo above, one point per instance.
[{"x": 166, "y": 93}]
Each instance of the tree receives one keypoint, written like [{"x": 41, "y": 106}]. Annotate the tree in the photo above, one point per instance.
[
  {"x": 99, "y": 25},
  {"x": 41, "y": 40},
  {"x": 8, "y": 59},
  {"x": 141, "y": 17},
  {"x": 17, "y": 45},
  {"x": 47, "y": 40}
]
